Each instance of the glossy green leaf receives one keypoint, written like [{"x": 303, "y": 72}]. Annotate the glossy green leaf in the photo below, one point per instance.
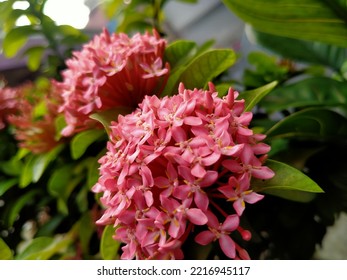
[
  {"x": 252, "y": 97},
  {"x": 178, "y": 52},
  {"x": 16, "y": 38},
  {"x": 314, "y": 123},
  {"x": 207, "y": 66},
  {"x": 316, "y": 91},
  {"x": 300, "y": 50},
  {"x": 83, "y": 140},
  {"x": 5, "y": 251},
  {"x": 312, "y": 20},
  {"x": 108, "y": 246},
  {"x": 288, "y": 182}
]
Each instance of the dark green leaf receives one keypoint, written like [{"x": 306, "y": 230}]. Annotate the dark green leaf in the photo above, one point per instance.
[
  {"x": 178, "y": 52},
  {"x": 316, "y": 91},
  {"x": 22, "y": 201},
  {"x": 5, "y": 251},
  {"x": 108, "y": 246},
  {"x": 83, "y": 140},
  {"x": 288, "y": 183},
  {"x": 252, "y": 97},
  {"x": 86, "y": 231},
  {"x": 301, "y": 50},
  {"x": 314, "y": 123},
  {"x": 207, "y": 66},
  {"x": 301, "y": 19}
]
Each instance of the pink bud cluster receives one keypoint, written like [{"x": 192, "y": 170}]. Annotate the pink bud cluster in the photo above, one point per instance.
[
  {"x": 112, "y": 70},
  {"x": 168, "y": 167},
  {"x": 34, "y": 119}
]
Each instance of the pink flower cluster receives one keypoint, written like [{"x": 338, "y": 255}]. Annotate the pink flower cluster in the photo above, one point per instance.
[
  {"x": 112, "y": 70},
  {"x": 169, "y": 167},
  {"x": 34, "y": 119}
]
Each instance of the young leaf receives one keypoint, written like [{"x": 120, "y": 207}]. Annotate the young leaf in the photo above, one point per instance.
[
  {"x": 83, "y": 140},
  {"x": 252, "y": 97},
  {"x": 109, "y": 247},
  {"x": 288, "y": 182},
  {"x": 34, "y": 55},
  {"x": 16, "y": 38}
]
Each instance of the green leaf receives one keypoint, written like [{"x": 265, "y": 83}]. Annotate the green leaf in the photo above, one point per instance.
[
  {"x": 316, "y": 91},
  {"x": 5, "y": 185},
  {"x": 288, "y": 182},
  {"x": 207, "y": 66},
  {"x": 83, "y": 140},
  {"x": 178, "y": 52},
  {"x": 108, "y": 246},
  {"x": 15, "y": 39},
  {"x": 106, "y": 117},
  {"x": 86, "y": 231},
  {"x": 314, "y": 123},
  {"x": 22, "y": 201},
  {"x": 42, "y": 161},
  {"x": 5, "y": 251},
  {"x": 252, "y": 97},
  {"x": 301, "y": 50},
  {"x": 301, "y": 19},
  {"x": 34, "y": 55},
  {"x": 43, "y": 248},
  {"x": 59, "y": 180}
]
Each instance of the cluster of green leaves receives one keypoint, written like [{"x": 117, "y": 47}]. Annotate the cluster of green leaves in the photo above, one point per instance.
[
  {"x": 55, "y": 41},
  {"x": 138, "y": 15},
  {"x": 304, "y": 117}
]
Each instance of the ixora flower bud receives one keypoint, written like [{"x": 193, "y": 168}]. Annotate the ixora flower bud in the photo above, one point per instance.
[
  {"x": 170, "y": 167},
  {"x": 113, "y": 70}
]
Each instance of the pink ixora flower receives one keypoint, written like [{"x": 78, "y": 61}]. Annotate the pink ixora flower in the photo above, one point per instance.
[
  {"x": 172, "y": 164},
  {"x": 34, "y": 120},
  {"x": 112, "y": 70}
]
